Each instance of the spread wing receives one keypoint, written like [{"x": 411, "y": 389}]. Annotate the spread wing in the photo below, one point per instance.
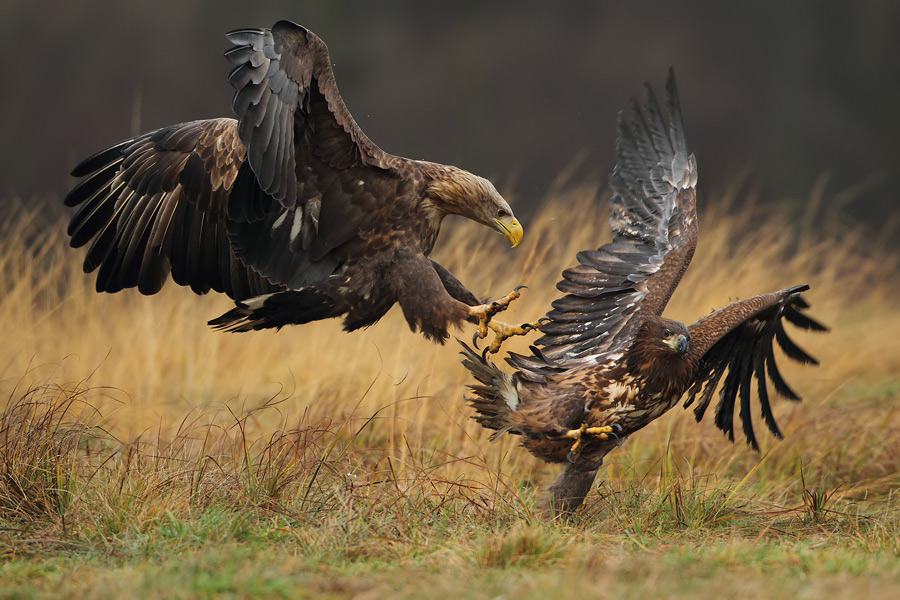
[
  {"x": 739, "y": 339},
  {"x": 246, "y": 206},
  {"x": 654, "y": 224},
  {"x": 305, "y": 152},
  {"x": 283, "y": 75},
  {"x": 154, "y": 204}
]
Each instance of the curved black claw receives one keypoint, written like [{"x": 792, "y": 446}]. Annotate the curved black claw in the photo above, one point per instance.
[
  {"x": 569, "y": 457},
  {"x": 475, "y": 339},
  {"x": 484, "y": 352},
  {"x": 520, "y": 287},
  {"x": 534, "y": 325}
]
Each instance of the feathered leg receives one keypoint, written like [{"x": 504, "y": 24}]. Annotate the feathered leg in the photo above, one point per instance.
[{"x": 568, "y": 490}]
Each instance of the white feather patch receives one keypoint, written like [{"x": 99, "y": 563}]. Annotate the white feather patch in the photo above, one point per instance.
[
  {"x": 508, "y": 392},
  {"x": 618, "y": 389},
  {"x": 279, "y": 221},
  {"x": 298, "y": 224},
  {"x": 256, "y": 301}
]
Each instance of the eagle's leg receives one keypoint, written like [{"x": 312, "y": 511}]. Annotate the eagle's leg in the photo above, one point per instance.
[{"x": 484, "y": 313}]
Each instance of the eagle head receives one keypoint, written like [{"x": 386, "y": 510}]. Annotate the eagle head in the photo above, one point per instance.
[
  {"x": 458, "y": 192},
  {"x": 675, "y": 336},
  {"x": 665, "y": 337},
  {"x": 659, "y": 355}
]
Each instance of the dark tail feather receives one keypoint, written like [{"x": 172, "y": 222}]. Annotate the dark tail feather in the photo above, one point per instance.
[
  {"x": 494, "y": 397},
  {"x": 292, "y": 307}
]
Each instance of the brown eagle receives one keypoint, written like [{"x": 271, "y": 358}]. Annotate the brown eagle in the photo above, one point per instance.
[
  {"x": 289, "y": 209},
  {"x": 609, "y": 363}
]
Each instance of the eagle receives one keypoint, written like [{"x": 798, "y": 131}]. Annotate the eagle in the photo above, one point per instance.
[
  {"x": 608, "y": 363},
  {"x": 289, "y": 209}
]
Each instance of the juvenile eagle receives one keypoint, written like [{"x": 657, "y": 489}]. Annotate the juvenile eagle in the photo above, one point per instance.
[
  {"x": 289, "y": 209},
  {"x": 609, "y": 363}
]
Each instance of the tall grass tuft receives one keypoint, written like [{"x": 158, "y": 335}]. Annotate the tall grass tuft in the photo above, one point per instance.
[{"x": 45, "y": 437}]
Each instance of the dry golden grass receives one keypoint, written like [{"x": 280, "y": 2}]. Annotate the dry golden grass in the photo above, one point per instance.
[{"x": 131, "y": 429}]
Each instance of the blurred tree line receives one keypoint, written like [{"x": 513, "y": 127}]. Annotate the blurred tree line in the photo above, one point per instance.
[{"x": 780, "y": 93}]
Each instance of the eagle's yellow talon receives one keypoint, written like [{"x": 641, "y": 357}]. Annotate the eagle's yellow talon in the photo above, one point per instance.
[
  {"x": 604, "y": 433},
  {"x": 503, "y": 331},
  {"x": 601, "y": 432},
  {"x": 485, "y": 313}
]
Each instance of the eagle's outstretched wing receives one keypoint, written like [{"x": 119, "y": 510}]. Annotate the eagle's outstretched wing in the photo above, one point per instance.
[
  {"x": 155, "y": 204},
  {"x": 281, "y": 74},
  {"x": 654, "y": 222},
  {"x": 739, "y": 339},
  {"x": 243, "y": 207}
]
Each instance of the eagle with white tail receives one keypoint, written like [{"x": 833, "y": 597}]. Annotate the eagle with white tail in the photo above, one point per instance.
[{"x": 289, "y": 209}]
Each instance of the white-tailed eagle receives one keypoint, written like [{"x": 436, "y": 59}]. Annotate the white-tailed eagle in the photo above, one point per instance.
[
  {"x": 289, "y": 209},
  {"x": 608, "y": 362}
]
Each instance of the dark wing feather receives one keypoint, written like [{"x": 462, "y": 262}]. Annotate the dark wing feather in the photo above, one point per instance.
[
  {"x": 654, "y": 224},
  {"x": 156, "y": 203},
  {"x": 327, "y": 180},
  {"x": 739, "y": 339},
  {"x": 283, "y": 76}
]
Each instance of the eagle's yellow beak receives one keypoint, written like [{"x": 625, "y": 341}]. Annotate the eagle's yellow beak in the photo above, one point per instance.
[{"x": 511, "y": 229}]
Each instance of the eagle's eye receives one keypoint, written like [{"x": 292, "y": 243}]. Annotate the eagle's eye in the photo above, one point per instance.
[
  {"x": 502, "y": 213},
  {"x": 667, "y": 332}
]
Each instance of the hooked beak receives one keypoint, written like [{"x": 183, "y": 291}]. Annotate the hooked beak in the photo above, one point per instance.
[
  {"x": 679, "y": 343},
  {"x": 510, "y": 227}
]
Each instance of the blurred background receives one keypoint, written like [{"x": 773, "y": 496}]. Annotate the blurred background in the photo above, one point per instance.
[{"x": 782, "y": 97}]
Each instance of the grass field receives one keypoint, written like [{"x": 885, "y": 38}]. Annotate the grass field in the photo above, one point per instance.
[{"x": 144, "y": 455}]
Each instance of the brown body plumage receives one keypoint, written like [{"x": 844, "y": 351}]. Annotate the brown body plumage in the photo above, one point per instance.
[
  {"x": 289, "y": 209},
  {"x": 609, "y": 363}
]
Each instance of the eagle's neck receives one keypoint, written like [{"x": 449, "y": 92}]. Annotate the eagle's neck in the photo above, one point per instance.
[
  {"x": 432, "y": 216},
  {"x": 667, "y": 373},
  {"x": 448, "y": 191},
  {"x": 453, "y": 191}
]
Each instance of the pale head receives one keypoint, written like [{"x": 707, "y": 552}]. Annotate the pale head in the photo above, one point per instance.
[{"x": 454, "y": 191}]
